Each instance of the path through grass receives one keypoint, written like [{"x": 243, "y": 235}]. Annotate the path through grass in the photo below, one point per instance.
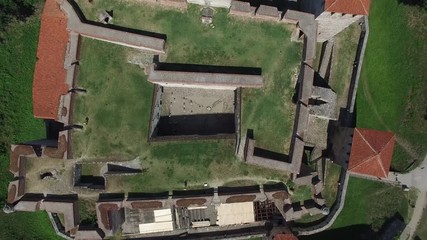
[
  {"x": 422, "y": 227},
  {"x": 367, "y": 206},
  {"x": 393, "y": 82}
]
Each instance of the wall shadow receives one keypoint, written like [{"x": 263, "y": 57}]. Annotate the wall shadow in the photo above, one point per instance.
[
  {"x": 282, "y": 5},
  {"x": 117, "y": 169},
  {"x": 260, "y": 152},
  {"x": 181, "y": 67},
  {"x": 418, "y": 3},
  {"x": 203, "y": 124},
  {"x": 18, "y": 9},
  {"x": 238, "y": 190},
  {"x": 115, "y": 27},
  {"x": 133, "y": 196},
  {"x": 354, "y": 232}
]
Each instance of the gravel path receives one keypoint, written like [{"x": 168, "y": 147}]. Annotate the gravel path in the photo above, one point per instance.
[{"x": 415, "y": 178}]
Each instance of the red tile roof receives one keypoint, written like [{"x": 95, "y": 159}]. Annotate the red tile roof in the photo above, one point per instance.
[
  {"x": 371, "y": 152},
  {"x": 358, "y": 7},
  {"x": 285, "y": 236},
  {"x": 49, "y": 74}
]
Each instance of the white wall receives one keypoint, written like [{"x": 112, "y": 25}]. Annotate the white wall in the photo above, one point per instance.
[{"x": 212, "y": 3}]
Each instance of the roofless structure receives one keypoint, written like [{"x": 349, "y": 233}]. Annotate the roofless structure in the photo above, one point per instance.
[{"x": 198, "y": 101}]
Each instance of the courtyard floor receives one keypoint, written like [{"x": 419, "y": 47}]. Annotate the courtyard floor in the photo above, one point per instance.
[{"x": 118, "y": 99}]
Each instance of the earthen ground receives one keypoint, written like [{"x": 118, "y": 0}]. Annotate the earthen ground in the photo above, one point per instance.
[{"x": 191, "y": 101}]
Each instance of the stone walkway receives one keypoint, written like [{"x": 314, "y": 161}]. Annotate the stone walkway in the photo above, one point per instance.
[{"x": 416, "y": 179}]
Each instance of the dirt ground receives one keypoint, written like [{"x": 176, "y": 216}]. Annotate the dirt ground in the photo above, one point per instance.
[
  {"x": 60, "y": 183},
  {"x": 240, "y": 198},
  {"x": 189, "y": 101}
]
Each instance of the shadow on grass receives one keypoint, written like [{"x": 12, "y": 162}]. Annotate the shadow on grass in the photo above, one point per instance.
[
  {"x": 115, "y": 27},
  {"x": 419, "y": 3},
  {"x": 355, "y": 232},
  {"x": 11, "y": 10}
]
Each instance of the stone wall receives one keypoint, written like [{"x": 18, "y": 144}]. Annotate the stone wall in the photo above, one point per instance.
[
  {"x": 262, "y": 12},
  {"x": 212, "y": 3},
  {"x": 253, "y": 159},
  {"x": 334, "y": 210},
  {"x": 155, "y": 109}
]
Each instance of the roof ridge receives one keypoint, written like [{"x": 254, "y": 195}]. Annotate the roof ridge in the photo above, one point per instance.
[
  {"x": 385, "y": 146},
  {"x": 366, "y": 160},
  {"x": 366, "y": 141},
  {"x": 364, "y": 8},
  {"x": 379, "y": 159},
  {"x": 387, "y": 143},
  {"x": 335, "y": 1}
]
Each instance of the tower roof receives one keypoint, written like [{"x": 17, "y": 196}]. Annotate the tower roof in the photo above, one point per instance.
[
  {"x": 358, "y": 7},
  {"x": 371, "y": 152}
]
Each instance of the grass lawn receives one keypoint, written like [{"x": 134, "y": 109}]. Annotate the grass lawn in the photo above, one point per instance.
[
  {"x": 331, "y": 183},
  {"x": 367, "y": 206},
  {"x": 422, "y": 227},
  {"x": 344, "y": 54},
  {"x": 118, "y": 100},
  {"x": 301, "y": 193},
  {"x": 309, "y": 219},
  {"x": 393, "y": 82},
  {"x": 18, "y": 53},
  {"x": 118, "y": 110},
  {"x": 232, "y": 42},
  {"x": 87, "y": 211}
]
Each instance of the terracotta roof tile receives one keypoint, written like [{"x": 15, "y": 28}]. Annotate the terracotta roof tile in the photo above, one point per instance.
[
  {"x": 285, "y": 236},
  {"x": 49, "y": 74},
  {"x": 371, "y": 152},
  {"x": 358, "y": 7}
]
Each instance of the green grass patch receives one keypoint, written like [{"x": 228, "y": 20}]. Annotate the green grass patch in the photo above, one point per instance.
[
  {"x": 368, "y": 205},
  {"x": 118, "y": 109},
  {"x": 87, "y": 211},
  {"x": 331, "y": 183},
  {"x": 17, "y": 123},
  {"x": 301, "y": 193},
  {"x": 422, "y": 226},
  {"x": 392, "y": 86},
  {"x": 118, "y": 101},
  {"x": 91, "y": 169},
  {"x": 344, "y": 54},
  {"x": 308, "y": 219},
  {"x": 371, "y": 202},
  {"x": 232, "y": 42}
]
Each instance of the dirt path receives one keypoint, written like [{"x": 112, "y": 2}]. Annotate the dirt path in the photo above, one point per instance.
[
  {"x": 415, "y": 178},
  {"x": 401, "y": 141},
  {"x": 410, "y": 229}
]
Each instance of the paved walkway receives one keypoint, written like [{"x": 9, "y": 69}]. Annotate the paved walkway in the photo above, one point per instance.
[{"x": 416, "y": 179}]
